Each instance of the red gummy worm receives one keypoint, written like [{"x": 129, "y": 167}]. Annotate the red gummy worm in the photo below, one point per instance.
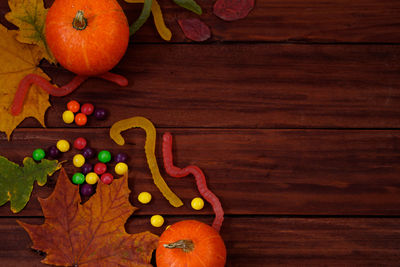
[
  {"x": 115, "y": 78},
  {"x": 32, "y": 78},
  {"x": 198, "y": 175}
]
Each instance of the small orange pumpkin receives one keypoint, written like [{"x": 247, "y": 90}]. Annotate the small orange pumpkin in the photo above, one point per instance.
[
  {"x": 87, "y": 37},
  {"x": 190, "y": 243}
]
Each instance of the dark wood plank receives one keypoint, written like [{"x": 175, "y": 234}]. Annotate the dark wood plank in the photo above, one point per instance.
[
  {"x": 261, "y": 241},
  {"x": 328, "y": 172},
  {"x": 282, "y": 21},
  {"x": 248, "y": 86}
]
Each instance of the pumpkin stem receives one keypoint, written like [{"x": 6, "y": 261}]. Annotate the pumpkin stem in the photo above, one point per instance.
[
  {"x": 185, "y": 245},
  {"x": 79, "y": 22}
]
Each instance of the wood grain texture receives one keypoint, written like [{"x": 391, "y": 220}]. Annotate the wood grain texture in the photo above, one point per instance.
[
  {"x": 324, "y": 172},
  {"x": 281, "y": 21},
  {"x": 292, "y": 113},
  {"x": 279, "y": 242},
  {"x": 248, "y": 86}
]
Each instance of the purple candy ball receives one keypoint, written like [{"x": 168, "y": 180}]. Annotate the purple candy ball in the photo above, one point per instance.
[
  {"x": 100, "y": 113},
  {"x": 53, "y": 152},
  {"x": 121, "y": 157},
  {"x": 88, "y": 153},
  {"x": 86, "y": 168},
  {"x": 86, "y": 190}
]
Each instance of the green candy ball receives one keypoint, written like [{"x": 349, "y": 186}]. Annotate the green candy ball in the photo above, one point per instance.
[
  {"x": 38, "y": 154},
  {"x": 104, "y": 156},
  {"x": 78, "y": 178}
]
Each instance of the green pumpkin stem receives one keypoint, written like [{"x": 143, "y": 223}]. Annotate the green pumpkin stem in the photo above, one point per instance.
[
  {"x": 185, "y": 245},
  {"x": 79, "y": 22}
]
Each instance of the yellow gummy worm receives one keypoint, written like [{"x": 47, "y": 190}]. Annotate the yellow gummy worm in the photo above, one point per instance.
[
  {"x": 149, "y": 147},
  {"x": 162, "y": 29}
]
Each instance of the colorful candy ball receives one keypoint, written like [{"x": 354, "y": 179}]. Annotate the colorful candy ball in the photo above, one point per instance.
[
  {"x": 86, "y": 168},
  {"x": 68, "y": 116},
  {"x": 53, "y": 152},
  {"x": 197, "y": 203},
  {"x": 73, "y": 106},
  {"x": 104, "y": 156},
  {"x": 78, "y": 178},
  {"x": 100, "y": 113},
  {"x": 63, "y": 145},
  {"x": 144, "y": 197},
  {"x": 121, "y": 168},
  {"x": 157, "y": 220},
  {"x": 80, "y": 119},
  {"x": 80, "y": 143},
  {"x": 100, "y": 168},
  {"x": 107, "y": 178},
  {"x": 87, "y": 109},
  {"x": 38, "y": 154},
  {"x": 78, "y": 160},
  {"x": 86, "y": 190},
  {"x": 88, "y": 153},
  {"x": 121, "y": 157},
  {"x": 92, "y": 178}
]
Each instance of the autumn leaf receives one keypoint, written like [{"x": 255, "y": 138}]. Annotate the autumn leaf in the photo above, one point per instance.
[
  {"x": 195, "y": 29},
  {"x": 93, "y": 233},
  {"x": 231, "y": 10},
  {"x": 30, "y": 16},
  {"x": 16, "y": 182},
  {"x": 16, "y": 61}
]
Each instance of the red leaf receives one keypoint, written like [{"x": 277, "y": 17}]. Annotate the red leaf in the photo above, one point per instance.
[
  {"x": 195, "y": 29},
  {"x": 91, "y": 234},
  {"x": 230, "y": 10}
]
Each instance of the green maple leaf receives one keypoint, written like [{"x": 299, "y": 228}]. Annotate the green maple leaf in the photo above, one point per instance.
[{"x": 16, "y": 182}]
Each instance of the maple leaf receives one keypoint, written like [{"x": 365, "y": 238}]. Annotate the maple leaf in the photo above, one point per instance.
[
  {"x": 16, "y": 182},
  {"x": 30, "y": 16},
  {"x": 93, "y": 233},
  {"x": 16, "y": 61}
]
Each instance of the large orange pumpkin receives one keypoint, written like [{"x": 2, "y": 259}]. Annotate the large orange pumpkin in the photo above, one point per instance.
[
  {"x": 87, "y": 37},
  {"x": 190, "y": 243}
]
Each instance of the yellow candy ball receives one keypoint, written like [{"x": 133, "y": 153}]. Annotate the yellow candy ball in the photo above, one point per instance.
[
  {"x": 144, "y": 197},
  {"x": 63, "y": 145},
  {"x": 157, "y": 220},
  {"x": 91, "y": 178},
  {"x": 197, "y": 203},
  {"x": 121, "y": 168},
  {"x": 78, "y": 160},
  {"x": 68, "y": 116}
]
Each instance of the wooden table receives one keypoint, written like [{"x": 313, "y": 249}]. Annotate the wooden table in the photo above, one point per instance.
[{"x": 293, "y": 114}]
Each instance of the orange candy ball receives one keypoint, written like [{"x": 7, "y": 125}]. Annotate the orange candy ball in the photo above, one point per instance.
[
  {"x": 73, "y": 106},
  {"x": 80, "y": 119}
]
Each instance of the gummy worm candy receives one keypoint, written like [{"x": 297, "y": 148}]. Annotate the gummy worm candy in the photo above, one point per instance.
[
  {"x": 144, "y": 15},
  {"x": 198, "y": 175},
  {"x": 150, "y": 143},
  {"x": 162, "y": 29},
  {"x": 32, "y": 78}
]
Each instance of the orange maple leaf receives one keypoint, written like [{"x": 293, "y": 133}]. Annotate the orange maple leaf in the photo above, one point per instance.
[{"x": 93, "y": 233}]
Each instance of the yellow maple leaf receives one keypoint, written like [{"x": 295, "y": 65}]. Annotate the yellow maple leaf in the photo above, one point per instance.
[
  {"x": 16, "y": 61},
  {"x": 30, "y": 16}
]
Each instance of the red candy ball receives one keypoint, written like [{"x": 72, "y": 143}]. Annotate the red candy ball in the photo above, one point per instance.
[
  {"x": 87, "y": 109},
  {"x": 100, "y": 168},
  {"x": 80, "y": 143},
  {"x": 107, "y": 178},
  {"x": 80, "y": 119},
  {"x": 73, "y": 106}
]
